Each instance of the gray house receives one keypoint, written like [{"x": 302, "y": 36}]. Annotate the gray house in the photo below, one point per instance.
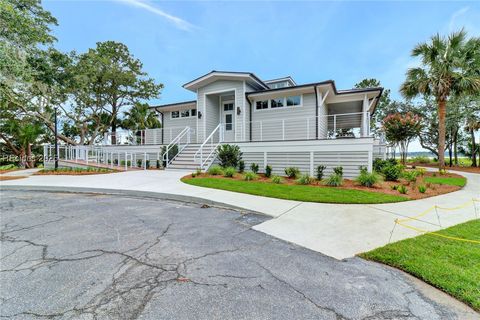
[{"x": 276, "y": 122}]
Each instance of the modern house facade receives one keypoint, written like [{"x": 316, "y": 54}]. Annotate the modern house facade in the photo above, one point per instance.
[{"x": 275, "y": 122}]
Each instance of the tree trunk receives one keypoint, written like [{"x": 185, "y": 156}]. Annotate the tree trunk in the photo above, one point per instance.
[
  {"x": 30, "y": 162},
  {"x": 455, "y": 147},
  {"x": 474, "y": 149},
  {"x": 114, "y": 124},
  {"x": 442, "y": 111}
]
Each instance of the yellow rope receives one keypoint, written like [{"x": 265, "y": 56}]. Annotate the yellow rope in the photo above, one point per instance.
[
  {"x": 438, "y": 234},
  {"x": 425, "y": 212}
]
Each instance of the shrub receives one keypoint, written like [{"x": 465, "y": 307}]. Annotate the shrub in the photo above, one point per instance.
[
  {"x": 249, "y": 176},
  {"x": 8, "y": 167},
  {"x": 158, "y": 164},
  {"x": 420, "y": 159},
  {"x": 277, "y": 179},
  {"x": 304, "y": 179},
  {"x": 229, "y": 172},
  {"x": 147, "y": 163},
  {"x": 292, "y": 172},
  {"x": 394, "y": 187},
  {"x": 268, "y": 171},
  {"x": 392, "y": 172},
  {"x": 368, "y": 179},
  {"x": 196, "y": 173},
  {"x": 254, "y": 167},
  {"x": 335, "y": 180},
  {"x": 320, "y": 170},
  {"x": 139, "y": 163},
  {"x": 241, "y": 166},
  {"x": 229, "y": 155},
  {"x": 215, "y": 170},
  {"x": 402, "y": 189},
  {"x": 172, "y": 152},
  {"x": 338, "y": 170},
  {"x": 422, "y": 189},
  {"x": 421, "y": 171},
  {"x": 442, "y": 172},
  {"x": 410, "y": 176}
]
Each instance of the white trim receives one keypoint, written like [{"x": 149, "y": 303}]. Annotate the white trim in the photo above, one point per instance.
[
  {"x": 244, "y": 111},
  {"x": 223, "y": 74}
]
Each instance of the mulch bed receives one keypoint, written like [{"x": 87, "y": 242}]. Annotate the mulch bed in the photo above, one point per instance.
[
  {"x": 384, "y": 187},
  {"x": 5, "y": 178},
  {"x": 71, "y": 173}
]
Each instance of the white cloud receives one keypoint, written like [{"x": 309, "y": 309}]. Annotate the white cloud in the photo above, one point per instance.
[
  {"x": 453, "y": 25},
  {"x": 178, "y": 22}
]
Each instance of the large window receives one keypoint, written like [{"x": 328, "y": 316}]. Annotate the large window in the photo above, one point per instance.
[
  {"x": 290, "y": 101},
  {"x": 276, "y": 103},
  {"x": 261, "y": 104},
  {"x": 184, "y": 113},
  {"x": 293, "y": 101}
]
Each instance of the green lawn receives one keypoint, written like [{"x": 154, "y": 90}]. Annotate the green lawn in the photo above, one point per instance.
[
  {"x": 452, "y": 181},
  {"x": 295, "y": 192},
  {"x": 450, "y": 265}
]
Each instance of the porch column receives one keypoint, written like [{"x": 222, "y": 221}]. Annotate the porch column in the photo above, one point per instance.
[{"x": 364, "y": 117}]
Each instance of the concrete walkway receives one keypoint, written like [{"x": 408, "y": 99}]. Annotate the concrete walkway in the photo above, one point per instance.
[{"x": 339, "y": 231}]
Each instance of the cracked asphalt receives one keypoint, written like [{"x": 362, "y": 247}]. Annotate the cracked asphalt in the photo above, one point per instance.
[{"x": 86, "y": 256}]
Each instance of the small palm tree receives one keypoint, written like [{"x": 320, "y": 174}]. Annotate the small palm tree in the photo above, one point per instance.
[
  {"x": 445, "y": 71},
  {"x": 139, "y": 118}
]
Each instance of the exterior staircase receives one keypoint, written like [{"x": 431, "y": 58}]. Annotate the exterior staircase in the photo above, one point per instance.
[{"x": 185, "y": 159}]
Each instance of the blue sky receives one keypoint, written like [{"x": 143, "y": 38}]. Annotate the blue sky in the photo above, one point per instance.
[{"x": 312, "y": 41}]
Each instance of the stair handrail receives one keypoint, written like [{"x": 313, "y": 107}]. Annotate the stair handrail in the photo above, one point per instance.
[
  {"x": 214, "y": 148},
  {"x": 175, "y": 141}
]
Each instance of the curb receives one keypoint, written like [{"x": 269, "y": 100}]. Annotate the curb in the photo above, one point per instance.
[{"x": 131, "y": 193}]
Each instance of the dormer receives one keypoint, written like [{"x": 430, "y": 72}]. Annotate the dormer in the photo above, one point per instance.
[{"x": 280, "y": 83}]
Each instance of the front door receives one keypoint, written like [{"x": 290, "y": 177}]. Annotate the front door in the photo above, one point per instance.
[{"x": 228, "y": 116}]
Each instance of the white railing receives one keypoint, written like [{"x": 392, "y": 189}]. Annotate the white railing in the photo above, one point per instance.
[
  {"x": 205, "y": 157},
  {"x": 142, "y": 137},
  {"x": 336, "y": 126},
  {"x": 99, "y": 156},
  {"x": 181, "y": 141}
]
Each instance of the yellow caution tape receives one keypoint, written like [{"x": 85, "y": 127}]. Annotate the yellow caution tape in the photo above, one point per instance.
[
  {"x": 424, "y": 213},
  {"x": 438, "y": 234}
]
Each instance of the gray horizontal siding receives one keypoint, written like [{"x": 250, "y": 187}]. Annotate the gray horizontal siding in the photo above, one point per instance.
[{"x": 350, "y": 161}]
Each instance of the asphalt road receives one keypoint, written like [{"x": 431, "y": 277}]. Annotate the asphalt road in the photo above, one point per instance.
[{"x": 86, "y": 256}]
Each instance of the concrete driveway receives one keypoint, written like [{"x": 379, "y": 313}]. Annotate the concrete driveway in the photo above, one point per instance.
[{"x": 72, "y": 256}]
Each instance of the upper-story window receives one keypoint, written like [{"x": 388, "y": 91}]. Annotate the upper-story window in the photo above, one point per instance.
[
  {"x": 277, "y": 85},
  {"x": 293, "y": 101},
  {"x": 290, "y": 101},
  {"x": 277, "y": 103},
  {"x": 263, "y": 104},
  {"x": 184, "y": 113}
]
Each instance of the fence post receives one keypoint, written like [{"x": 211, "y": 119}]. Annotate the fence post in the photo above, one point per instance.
[
  {"x": 334, "y": 126},
  {"x": 126, "y": 162}
]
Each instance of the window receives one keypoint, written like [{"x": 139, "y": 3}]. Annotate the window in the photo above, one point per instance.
[
  {"x": 261, "y": 104},
  {"x": 193, "y": 112},
  {"x": 276, "y": 103},
  {"x": 175, "y": 114},
  {"x": 228, "y": 122},
  {"x": 293, "y": 101},
  {"x": 227, "y": 106},
  {"x": 185, "y": 114}
]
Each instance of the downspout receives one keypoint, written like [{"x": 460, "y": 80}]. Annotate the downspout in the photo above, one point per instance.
[
  {"x": 249, "y": 116},
  {"x": 316, "y": 112},
  {"x": 163, "y": 124}
]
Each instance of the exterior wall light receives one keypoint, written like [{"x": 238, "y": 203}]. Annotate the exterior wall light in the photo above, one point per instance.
[
  {"x": 199, "y": 114},
  {"x": 239, "y": 111}
]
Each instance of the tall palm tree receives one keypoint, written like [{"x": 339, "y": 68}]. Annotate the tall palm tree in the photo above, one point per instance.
[{"x": 445, "y": 71}]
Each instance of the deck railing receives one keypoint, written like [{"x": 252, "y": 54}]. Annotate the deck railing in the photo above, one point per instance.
[
  {"x": 143, "y": 137},
  {"x": 336, "y": 126}
]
